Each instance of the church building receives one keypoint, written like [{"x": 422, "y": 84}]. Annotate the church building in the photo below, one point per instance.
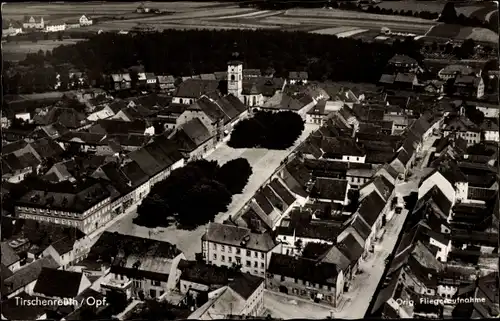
[{"x": 250, "y": 89}]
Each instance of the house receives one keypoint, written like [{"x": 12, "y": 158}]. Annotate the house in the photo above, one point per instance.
[
  {"x": 303, "y": 277},
  {"x": 24, "y": 279},
  {"x": 11, "y": 28},
  {"x": 452, "y": 71},
  {"x": 242, "y": 297},
  {"x": 489, "y": 129},
  {"x": 33, "y": 22},
  {"x": 166, "y": 83},
  {"x": 10, "y": 259},
  {"x": 190, "y": 90},
  {"x": 449, "y": 179},
  {"x": 151, "y": 80},
  {"x": 140, "y": 267},
  {"x": 434, "y": 87},
  {"x": 403, "y": 63},
  {"x": 298, "y": 77},
  {"x": 84, "y": 206},
  {"x": 490, "y": 110},
  {"x": 342, "y": 149},
  {"x": 120, "y": 81},
  {"x": 399, "y": 80},
  {"x": 15, "y": 168},
  {"x": 300, "y": 104},
  {"x": 194, "y": 139},
  {"x": 157, "y": 159},
  {"x": 469, "y": 86},
  {"x": 85, "y": 21},
  {"x": 226, "y": 245},
  {"x": 68, "y": 117},
  {"x": 371, "y": 213},
  {"x": 55, "y": 26},
  {"x": 114, "y": 126},
  {"x": 330, "y": 190},
  {"x": 218, "y": 116},
  {"x": 317, "y": 114},
  {"x": 463, "y": 127},
  {"x": 60, "y": 284},
  {"x": 296, "y": 232}
]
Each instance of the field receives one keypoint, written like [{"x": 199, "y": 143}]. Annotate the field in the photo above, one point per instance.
[
  {"x": 333, "y": 13},
  {"x": 19, "y": 10},
  {"x": 457, "y": 32},
  {"x": 13, "y": 51},
  {"x": 479, "y": 10}
]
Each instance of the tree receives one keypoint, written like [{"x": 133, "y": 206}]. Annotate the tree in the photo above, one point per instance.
[
  {"x": 235, "y": 174},
  {"x": 474, "y": 114},
  {"x": 191, "y": 194},
  {"x": 449, "y": 14},
  {"x": 268, "y": 130},
  {"x": 467, "y": 49}
]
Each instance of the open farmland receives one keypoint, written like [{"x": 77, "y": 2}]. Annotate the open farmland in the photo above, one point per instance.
[
  {"x": 19, "y": 10},
  {"x": 458, "y": 32},
  {"x": 333, "y": 13},
  {"x": 475, "y": 9}
]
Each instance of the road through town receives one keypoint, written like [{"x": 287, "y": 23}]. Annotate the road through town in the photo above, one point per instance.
[{"x": 264, "y": 163}]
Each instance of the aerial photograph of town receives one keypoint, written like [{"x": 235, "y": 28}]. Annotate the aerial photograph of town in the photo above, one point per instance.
[{"x": 260, "y": 159}]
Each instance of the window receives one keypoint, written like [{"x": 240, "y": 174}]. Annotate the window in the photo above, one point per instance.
[
  {"x": 152, "y": 293},
  {"x": 296, "y": 280},
  {"x": 262, "y": 265},
  {"x": 248, "y": 264},
  {"x": 232, "y": 78},
  {"x": 214, "y": 246},
  {"x": 155, "y": 283},
  {"x": 282, "y": 278},
  {"x": 238, "y": 260},
  {"x": 229, "y": 249},
  {"x": 249, "y": 253},
  {"x": 256, "y": 254},
  {"x": 238, "y": 251},
  {"x": 223, "y": 258},
  {"x": 255, "y": 264},
  {"x": 229, "y": 259},
  {"x": 215, "y": 256},
  {"x": 222, "y": 248},
  {"x": 262, "y": 255}
]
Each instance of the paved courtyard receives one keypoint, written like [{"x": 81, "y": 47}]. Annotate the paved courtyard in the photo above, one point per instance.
[{"x": 264, "y": 162}]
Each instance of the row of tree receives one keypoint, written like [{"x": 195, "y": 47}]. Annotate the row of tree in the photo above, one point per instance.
[
  {"x": 184, "y": 53},
  {"x": 194, "y": 194},
  {"x": 267, "y": 130}
]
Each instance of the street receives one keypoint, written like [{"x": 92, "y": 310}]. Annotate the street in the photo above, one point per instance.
[
  {"x": 282, "y": 306},
  {"x": 264, "y": 162}
]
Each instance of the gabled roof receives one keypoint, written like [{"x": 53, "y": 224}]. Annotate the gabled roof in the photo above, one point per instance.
[
  {"x": 209, "y": 107},
  {"x": 402, "y": 59},
  {"x": 405, "y": 77},
  {"x": 239, "y": 236},
  {"x": 194, "y": 88},
  {"x": 27, "y": 274},
  {"x": 58, "y": 283},
  {"x": 9, "y": 256},
  {"x": 191, "y": 135},
  {"x": 303, "y": 269},
  {"x": 330, "y": 188},
  {"x": 371, "y": 207}
]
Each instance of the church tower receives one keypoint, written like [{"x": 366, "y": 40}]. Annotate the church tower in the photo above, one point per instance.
[{"x": 235, "y": 76}]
